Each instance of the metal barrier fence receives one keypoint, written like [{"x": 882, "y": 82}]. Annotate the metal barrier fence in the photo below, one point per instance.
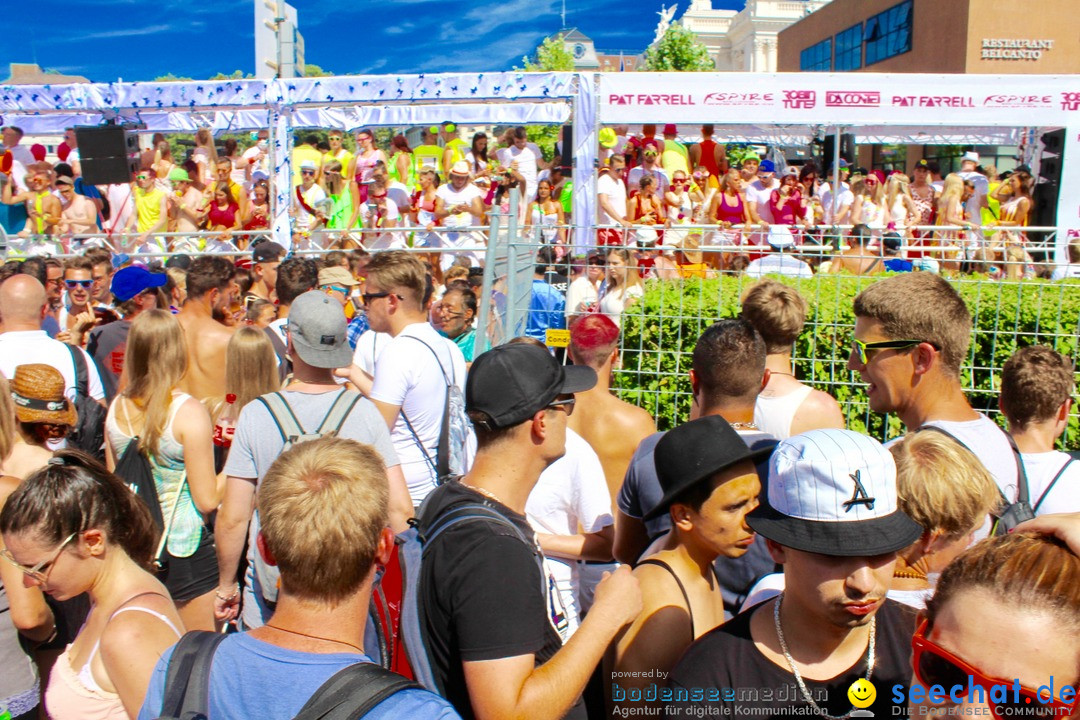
[{"x": 660, "y": 329}]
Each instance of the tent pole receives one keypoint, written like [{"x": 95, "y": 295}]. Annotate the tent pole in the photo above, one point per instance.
[{"x": 835, "y": 179}]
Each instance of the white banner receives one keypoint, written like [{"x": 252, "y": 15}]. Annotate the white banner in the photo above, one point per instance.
[
  {"x": 847, "y": 99},
  {"x": 1068, "y": 209}
]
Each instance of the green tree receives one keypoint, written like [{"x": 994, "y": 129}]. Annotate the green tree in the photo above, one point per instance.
[
  {"x": 172, "y": 78},
  {"x": 679, "y": 50},
  {"x": 550, "y": 56},
  {"x": 237, "y": 75},
  {"x": 313, "y": 70}
]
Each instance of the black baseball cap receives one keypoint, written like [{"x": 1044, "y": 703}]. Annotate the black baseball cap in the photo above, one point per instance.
[
  {"x": 693, "y": 453},
  {"x": 267, "y": 251},
  {"x": 511, "y": 383}
]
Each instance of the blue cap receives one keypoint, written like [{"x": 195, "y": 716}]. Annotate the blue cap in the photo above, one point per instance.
[
  {"x": 766, "y": 166},
  {"x": 134, "y": 279}
]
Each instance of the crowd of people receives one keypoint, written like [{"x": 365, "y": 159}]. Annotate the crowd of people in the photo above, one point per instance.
[
  {"x": 253, "y": 446},
  {"x": 699, "y": 207}
]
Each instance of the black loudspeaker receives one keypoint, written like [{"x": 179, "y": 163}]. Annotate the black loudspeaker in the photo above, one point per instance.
[
  {"x": 847, "y": 149},
  {"x": 109, "y": 154},
  {"x": 1045, "y": 196},
  {"x": 566, "y": 145}
]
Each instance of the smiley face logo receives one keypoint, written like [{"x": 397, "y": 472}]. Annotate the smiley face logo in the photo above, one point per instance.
[{"x": 862, "y": 693}]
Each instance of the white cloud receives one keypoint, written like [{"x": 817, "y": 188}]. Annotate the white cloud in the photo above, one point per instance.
[
  {"x": 129, "y": 32},
  {"x": 402, "y": 29}
]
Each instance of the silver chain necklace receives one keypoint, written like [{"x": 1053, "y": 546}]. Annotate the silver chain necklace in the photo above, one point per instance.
[{"x": 795, "y": 671}]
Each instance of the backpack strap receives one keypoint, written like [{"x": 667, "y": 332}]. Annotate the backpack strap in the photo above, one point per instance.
[
  {"x": 339, "y": 411},
  {"x": 282, "y": 414},
  {"x": 1021, "y": 473},
  {"x": 187, "y": 680},
  {"x": 440, "y": 464},
  {"x": 82, "y": 375},
  {"x": 1053, "y": 482},
  {"x": 353, "y": 692}
]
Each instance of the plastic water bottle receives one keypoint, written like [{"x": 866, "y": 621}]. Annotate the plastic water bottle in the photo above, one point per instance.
[
  {"x": 224, "y": 428},
  {"x": 5, "y": 714}
]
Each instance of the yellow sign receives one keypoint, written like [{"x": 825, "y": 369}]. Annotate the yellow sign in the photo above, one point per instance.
[{"x": 557, "y": 338}]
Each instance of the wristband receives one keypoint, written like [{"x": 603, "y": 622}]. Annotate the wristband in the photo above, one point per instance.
[{"x": 230, "y": 598}]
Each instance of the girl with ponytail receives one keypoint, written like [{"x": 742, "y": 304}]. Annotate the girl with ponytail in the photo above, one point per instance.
[{"x": 72, "y": 527}]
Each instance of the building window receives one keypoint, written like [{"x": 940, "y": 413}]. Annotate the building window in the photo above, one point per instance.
[
  {"x": 849, "y": 49},
  {"x": 888, "y": 33},
  {"x": 817, "y": 58}
]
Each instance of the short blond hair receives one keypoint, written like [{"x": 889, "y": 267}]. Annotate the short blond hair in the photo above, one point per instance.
[
  {"x": 777, "y": 311},
  {"x": 941, "y": 485},
  {"x": 322, "y": 506},
  {"x": 920, "y": 306},
  {"x": 7, "y": 419},
  {"x": 398, "y": 270}
]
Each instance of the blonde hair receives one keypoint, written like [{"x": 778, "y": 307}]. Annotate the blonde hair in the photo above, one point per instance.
[
  {"x": 398, "y": 270},
  {"x": 322, "y": 505},
  {"x": 897, "y": 184},
  {"x": 941, "y": 485},
  {"x": 777, "y": 311},
  {"x": 7, "y": 419},
  {"x": 952, "y": 189},
  {"x": 251, "y": 367},
  {"x": 155, "y": 360},
  {"x": 204, "y": 138}
]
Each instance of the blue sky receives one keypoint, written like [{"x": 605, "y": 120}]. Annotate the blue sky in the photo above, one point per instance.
[{"x": 143, "y": 39}]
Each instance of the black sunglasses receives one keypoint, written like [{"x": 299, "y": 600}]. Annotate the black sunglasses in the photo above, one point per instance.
[{"x": 368, "y": 297}]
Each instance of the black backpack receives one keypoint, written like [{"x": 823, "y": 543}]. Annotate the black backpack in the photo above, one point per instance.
[
  {"x": 350, "y": 694},
  {"x": 88, "y": 434}
]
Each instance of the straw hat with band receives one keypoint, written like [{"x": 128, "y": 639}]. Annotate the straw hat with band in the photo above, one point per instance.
[{"x": 38, "y": 392}]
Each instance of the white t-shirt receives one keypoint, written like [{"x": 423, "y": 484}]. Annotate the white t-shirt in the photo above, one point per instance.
[
  {"x": 464, "y": 196},
  {"x": 615, "y": 191},
  {"x": 21, "y": 159},
  {"x": 580, "y": 295},
  {"x": 1041, "y": 468},
  {"x": 399, "y": 194},
  {"x": 526, "y": 159},
  {"x": 570, "y": 494},
  {"x": 312, "y": 195},
  {"x": 1071, "y": 270},
  {"x": 757, "y": 192},
  {"x": 407, "y": 374},
  {"x": 121, "y": 206},
  {"x": 846, "y": 198},
  {"x": 973, "y": 207},
  {"x": 369, "y": 346},
  {"x": 988, "y": 441},
  {"x": 778, "y": 264},
  {"x": 30, "y": 347},
  {"x": 633, "y": 179},
  {"x": 614, "y": 302}
]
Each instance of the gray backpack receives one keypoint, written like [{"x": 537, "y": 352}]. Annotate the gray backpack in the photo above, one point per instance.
[{"x": 293, "y": 433}]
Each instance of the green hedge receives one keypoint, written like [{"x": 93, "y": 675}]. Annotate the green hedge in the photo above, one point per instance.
[{"x": 659, "y": 334}]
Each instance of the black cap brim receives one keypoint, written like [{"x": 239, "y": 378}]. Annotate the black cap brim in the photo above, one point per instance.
[
  {"x": 861, "y": 538},
  {"x": 753, "y": 456},
  {"x": 577, "y": 378}
]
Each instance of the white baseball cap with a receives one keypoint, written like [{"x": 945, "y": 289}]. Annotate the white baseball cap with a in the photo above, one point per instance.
[{"x": 833, "y": 492}]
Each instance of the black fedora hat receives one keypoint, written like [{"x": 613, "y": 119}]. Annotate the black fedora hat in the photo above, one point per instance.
[{"x": 695, "y": 451}]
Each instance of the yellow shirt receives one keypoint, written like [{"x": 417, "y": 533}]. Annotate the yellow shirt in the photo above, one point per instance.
[
  {"x": 300, "y": 154},
  {"x": 458, "y": 148},
  {"x": 428, "y": 156},
  {"x": 148, "y": 208},
  {"x": 345, "y": 158}
]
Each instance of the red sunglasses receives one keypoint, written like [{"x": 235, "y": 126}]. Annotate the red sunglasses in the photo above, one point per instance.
[{"x": 934, "y": 665}]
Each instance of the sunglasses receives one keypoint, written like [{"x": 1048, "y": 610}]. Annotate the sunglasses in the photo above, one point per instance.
[
  {"x": 369, "y": 296},
  {"x": 935, "y": 665},
  {"x": 307, "y": 172},
  {"x": 336, "y": 288},
  {"x": 72, "y": 284},
  {"x": 40, "y": 572},
  {"x": 567, "y": 405},
  {"x": 860, "y": 348},
  {"x": 142, "y": 177},
  {"x": 678, "y": 182}
]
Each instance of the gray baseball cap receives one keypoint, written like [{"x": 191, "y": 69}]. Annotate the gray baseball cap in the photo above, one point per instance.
[{"x": 318, "y": 330}]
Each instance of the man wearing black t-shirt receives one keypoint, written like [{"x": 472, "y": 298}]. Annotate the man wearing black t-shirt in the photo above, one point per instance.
[
  {"x": 831, "y": 519},
  {"x": 491, "y": 617}
]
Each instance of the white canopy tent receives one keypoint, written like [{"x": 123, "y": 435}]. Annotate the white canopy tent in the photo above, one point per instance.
[{"x": 791, "y": 108}]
